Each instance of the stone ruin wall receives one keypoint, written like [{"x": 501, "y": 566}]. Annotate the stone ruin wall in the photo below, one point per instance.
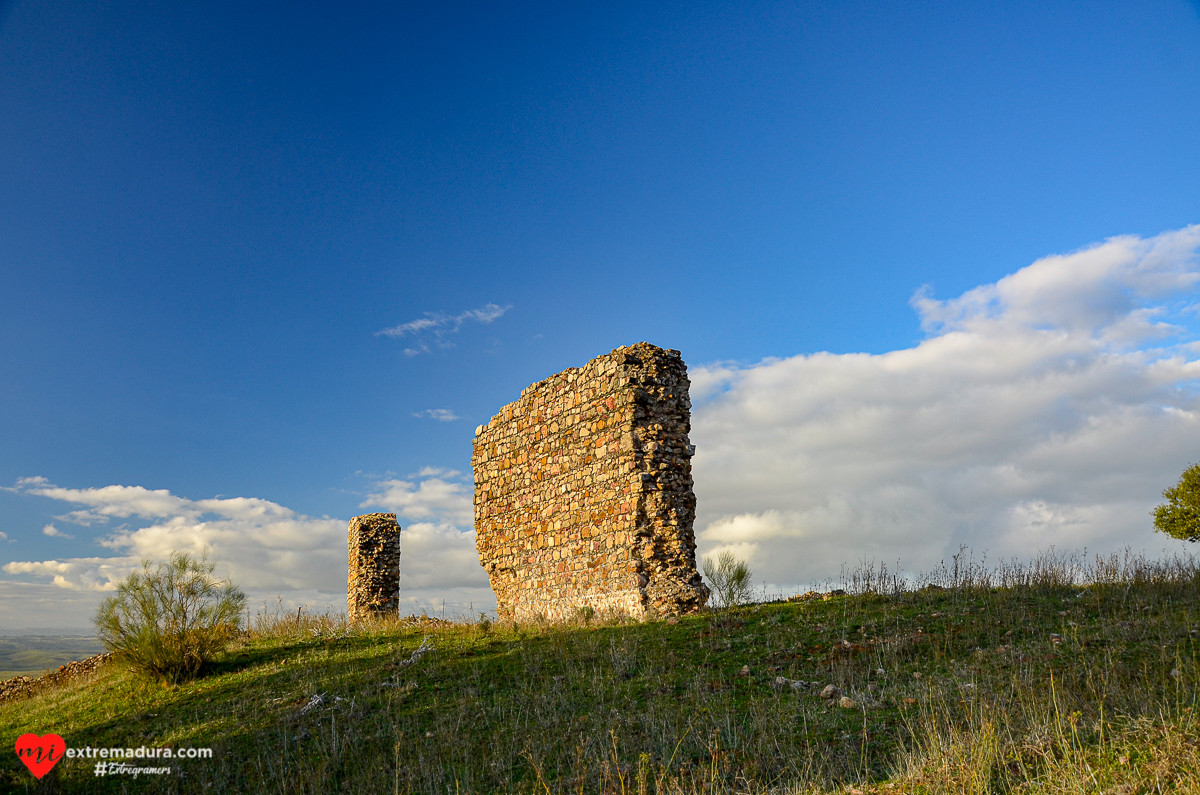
[
  {"x": 374, "y": 580},
  {"x": 583, "y": 492}
]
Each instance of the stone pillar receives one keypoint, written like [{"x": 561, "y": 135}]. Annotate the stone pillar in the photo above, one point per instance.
[
  {"x": 374, "y": 584},
  {"x": 583, "y": 492}
]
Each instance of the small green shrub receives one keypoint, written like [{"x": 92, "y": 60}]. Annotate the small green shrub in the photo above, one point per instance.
[
  {"x": 729, "y": 579},
  {"x": 169, "y": 621}
]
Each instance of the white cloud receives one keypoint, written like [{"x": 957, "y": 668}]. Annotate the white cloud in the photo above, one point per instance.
[
  {"x": 433, "y": 329},
  {"x": 43, "y": 608},
  {"x": 1051, "y": 407},
  {"x": 430, "y": 472},
  {"x": 438, "y": 555},
  {"x": 85, "y": 518},
  {"x": 265, "y": 548},
  {"x": 54, "y": 532},
  {"x": 431, "y": 498},
  {"x": 78, "y": 574},
  {"x": 256, "y": 543},
  {"x": 441, "y": 415}
]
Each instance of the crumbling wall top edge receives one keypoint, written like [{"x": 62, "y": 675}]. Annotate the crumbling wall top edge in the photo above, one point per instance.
[{"x": 613, "y": 361}]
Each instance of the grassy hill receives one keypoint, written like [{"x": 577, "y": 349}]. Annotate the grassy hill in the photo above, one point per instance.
[
  {"x": 1060, "y": 676},
  {"x": 35, "y": 654}
]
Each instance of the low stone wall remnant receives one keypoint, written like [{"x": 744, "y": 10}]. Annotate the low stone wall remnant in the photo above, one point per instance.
[
  {"x": 27, "y": 686},
  {"x": 374, "y": 581},
  {"x": 583, "y": 492}
]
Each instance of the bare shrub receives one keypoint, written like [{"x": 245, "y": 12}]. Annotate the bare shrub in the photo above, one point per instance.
[{"x": 729, "y": 579}]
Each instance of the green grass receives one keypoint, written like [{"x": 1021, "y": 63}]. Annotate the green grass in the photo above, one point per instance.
[{"x": 966, "y": 687}]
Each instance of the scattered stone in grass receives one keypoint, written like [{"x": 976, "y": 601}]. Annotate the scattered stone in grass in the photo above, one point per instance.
[
  {"x": 672, "y": 620},
  {"x": 421, "y": 651},
  {"x": 24, "y": 686},
  {"x": 745, "y": 671},
  {"x": 830, "y": 692},
  {"x": 917, "y": 674},
  {"x": 880, "y": 672},
  {"x": 316, "y": 701},
  {"x": 794, "y": 684},
  {"x": 845, "y": 702}
]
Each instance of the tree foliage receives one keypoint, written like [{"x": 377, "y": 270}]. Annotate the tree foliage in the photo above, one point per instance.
[
  {"x": 729, "y": 579},
  {"x": 170, "y": 621},
  {"x": 1179, "y": 516}
]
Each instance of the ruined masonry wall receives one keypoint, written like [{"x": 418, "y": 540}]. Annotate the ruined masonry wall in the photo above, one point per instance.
[
  {"x": 583, "y": 491},
  {"x": 374, "y": 580}
]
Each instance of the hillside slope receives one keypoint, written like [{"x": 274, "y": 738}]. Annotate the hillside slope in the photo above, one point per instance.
[{"x": 1058, "y": 677}]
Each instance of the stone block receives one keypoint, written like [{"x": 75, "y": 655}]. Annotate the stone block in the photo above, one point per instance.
[
  {"x": 583, "y": 492},
  {"x": 374, "y": 581}
]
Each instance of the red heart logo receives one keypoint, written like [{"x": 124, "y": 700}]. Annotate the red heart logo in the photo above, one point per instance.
[{"x": 40, "y": 753}]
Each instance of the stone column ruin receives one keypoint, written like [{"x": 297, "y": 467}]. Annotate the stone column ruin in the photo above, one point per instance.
[
  {"x": 583, "y": 492},
  {"x": 374, "y": 582}
]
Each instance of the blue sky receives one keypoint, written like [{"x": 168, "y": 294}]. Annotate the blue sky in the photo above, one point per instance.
[{"x": 210, "y": 212}]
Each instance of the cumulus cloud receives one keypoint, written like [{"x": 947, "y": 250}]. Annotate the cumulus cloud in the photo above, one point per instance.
[
  {"x": 438, "y": 561},
  {"x": 1049, "y": 408},
  {"x": 264, "y": 547},
  {"x": 437, "y": 495},
  {"x": 78, "y": 574},
  {"x": 85, "y": 518},
  {"x": 432, "y": 330},
  {"x": 441, "y": 415},
  {"x": 54, "y": 532},
  {"x": 438, "y": 556},
  {"x": 257, "y": 543}
]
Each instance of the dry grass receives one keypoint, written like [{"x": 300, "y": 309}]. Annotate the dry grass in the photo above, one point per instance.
[{"x": 1067, "y": 674}]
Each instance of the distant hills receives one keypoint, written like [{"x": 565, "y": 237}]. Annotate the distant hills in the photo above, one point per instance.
[{"x": 34, "y": 654}]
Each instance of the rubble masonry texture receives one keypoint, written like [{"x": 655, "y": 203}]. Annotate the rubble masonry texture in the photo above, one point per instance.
[
  {"x": 583, "y": 491},
  {"x": 374, "y": 580}
]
